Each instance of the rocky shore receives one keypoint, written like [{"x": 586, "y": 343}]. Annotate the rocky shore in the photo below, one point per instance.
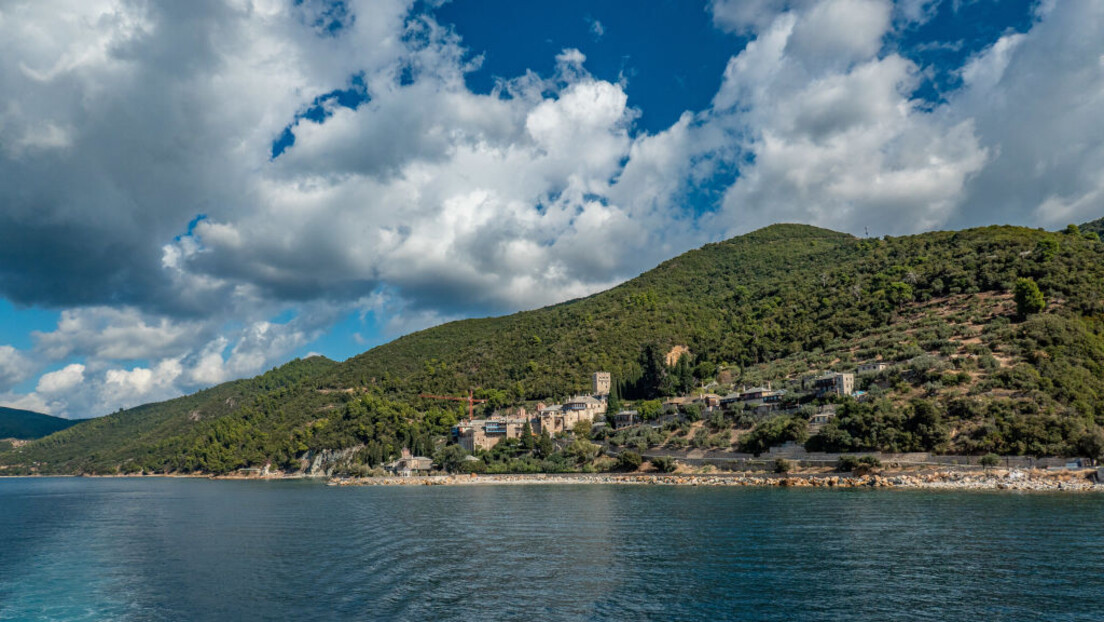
[{"x": 1013, "y": 480}]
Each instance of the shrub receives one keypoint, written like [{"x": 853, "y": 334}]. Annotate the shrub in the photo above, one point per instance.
[
  {"x": 781, "y": 465},
  {"x": 989, "y": 460},
  {"x": 629, "y": 461},
  {"x": 664, "y": 464},
  {"x": 857, "y": 463},
  {"x": 691, "y": 412}
]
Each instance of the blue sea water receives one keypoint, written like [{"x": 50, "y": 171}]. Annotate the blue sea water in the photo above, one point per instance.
[{"x": 181, "y": 549}]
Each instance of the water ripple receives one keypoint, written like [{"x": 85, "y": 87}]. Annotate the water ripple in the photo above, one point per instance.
[{"x": 156, "y": 549}]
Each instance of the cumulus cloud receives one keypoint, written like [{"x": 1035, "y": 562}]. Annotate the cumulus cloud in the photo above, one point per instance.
[
  {"x": 116, "y": 333},
  {"x": 1036, "y": 99},
  {"x": 14, "y": 367},
  {"x": 61, "y": 380},
  {"x": 832, "y": 132}
]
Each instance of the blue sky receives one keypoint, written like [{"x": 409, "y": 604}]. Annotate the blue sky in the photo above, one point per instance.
[{"x": 195, "y": 192}]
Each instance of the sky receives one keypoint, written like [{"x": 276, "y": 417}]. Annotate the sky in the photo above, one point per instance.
[{"x": 193, "y": 192}]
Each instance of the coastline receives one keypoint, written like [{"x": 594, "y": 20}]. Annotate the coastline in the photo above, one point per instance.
[{"x": 1013, "y": 480}]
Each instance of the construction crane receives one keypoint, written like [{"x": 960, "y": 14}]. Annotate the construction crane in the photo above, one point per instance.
[{"x": 470, "y": 399}]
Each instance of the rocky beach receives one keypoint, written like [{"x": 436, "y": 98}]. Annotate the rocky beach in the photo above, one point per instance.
[{"x": 1011, "y": 480}]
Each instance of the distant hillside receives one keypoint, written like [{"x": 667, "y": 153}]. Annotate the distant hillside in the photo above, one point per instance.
[
  {"x": 771, "y": 305},
  {"x": 24, "y": 424}
]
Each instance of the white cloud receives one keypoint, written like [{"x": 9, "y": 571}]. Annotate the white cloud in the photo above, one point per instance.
[
  {"x": 132, "y": 387},
  {"x": 61, "y": 380},
  {"x": 116, "y": 333},
  {"x": 833, "y": 134},
  {"x": 596, "y": 28},
  {"x": 14, "y": 367},
  {"x": 1036, "y": 99},
  {"x": 840, "y": 32},
  {"x": 32, "y": 402}
]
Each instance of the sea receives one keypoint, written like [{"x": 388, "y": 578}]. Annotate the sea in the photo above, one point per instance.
[{"x": 196, "y": 549}]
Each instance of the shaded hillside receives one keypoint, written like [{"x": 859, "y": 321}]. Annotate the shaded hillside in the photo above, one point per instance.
[
  {"x": 767, "y": 306},
  {"x": 24, "y": 424}
]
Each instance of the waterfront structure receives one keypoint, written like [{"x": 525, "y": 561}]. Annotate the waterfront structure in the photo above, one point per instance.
[
  {"x": 486, "y": 433},
  {"x": 409, "y": 464},
  {"x": 553, "y": 419}
]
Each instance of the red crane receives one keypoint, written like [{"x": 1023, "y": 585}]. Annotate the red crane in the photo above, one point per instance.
[{"x": 470, "y": 399}]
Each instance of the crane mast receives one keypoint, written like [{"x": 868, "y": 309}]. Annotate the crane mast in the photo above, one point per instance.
[{"x": 470, "y": 399}]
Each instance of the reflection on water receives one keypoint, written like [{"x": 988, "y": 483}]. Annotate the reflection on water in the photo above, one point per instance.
[{"x": 166, "y": 549}]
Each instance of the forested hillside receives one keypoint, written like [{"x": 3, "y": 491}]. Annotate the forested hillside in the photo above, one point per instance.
[
  {"x": 999, "y": 369},
  {"x": 24, "y": 424}
]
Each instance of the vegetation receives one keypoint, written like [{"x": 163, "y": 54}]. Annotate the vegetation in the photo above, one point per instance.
[
  {"x": 772, "y": 305},
  {"x": 629, "y": 461},
  {"x": 664, "y": 464},
  {"x": 849, "y": 464},
  {"x": 1029, "y": 299},
  {"x": 25, "y": 425},
  {"x": 989, "y": 461}
]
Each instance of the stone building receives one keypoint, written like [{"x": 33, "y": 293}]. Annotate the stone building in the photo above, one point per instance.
[
  {"x": 602, "y": 383},
  {"x": 833, "y": 384}
]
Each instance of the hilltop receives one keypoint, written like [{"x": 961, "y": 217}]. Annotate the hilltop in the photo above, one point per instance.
[
  {"x": 769, "y": 306},
  {"x": 25, "y": 424}
]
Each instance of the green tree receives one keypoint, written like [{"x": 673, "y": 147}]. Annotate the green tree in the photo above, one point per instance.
[
  {"x": 1091, "y": 444},
  {"x": 664, "y": 464},
  {"x": 450, "y": 458},
  {"x": 682, "y": 376},
  {"x": 629, "y": 461},
  {"x": 545, "y": 446},
  {"x": 613, "y": 402},
  {"x": 649, "y": 409},
  {"x": 692, "y": 412},
  {"x": 1029, "y": 299},
  {"x": 582, "y": 451},
  {"x": 899, "y": 293},
  {"x": 528, "y": 439},
  {"x": 582, "y": 429},
  {"x": 654, "y": 372}
]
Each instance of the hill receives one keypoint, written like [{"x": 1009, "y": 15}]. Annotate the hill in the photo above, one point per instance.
[
  {"x": 769, "y": 306},
  {"x": 25, "y": 424},
  {"x": 126, "y": 438}
]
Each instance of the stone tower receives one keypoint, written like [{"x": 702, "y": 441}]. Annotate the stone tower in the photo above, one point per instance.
[{"x": 601, "y": 383}]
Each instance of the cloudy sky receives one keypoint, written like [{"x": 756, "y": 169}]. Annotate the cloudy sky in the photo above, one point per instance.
[{"x": 192, "y": 192}]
